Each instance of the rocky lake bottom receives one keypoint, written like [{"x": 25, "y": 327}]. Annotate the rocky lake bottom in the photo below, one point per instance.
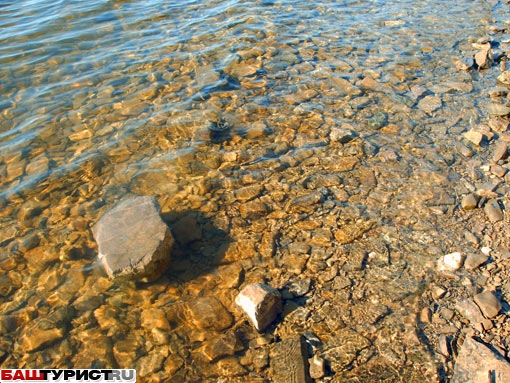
[{"x": 365, "y": 178}]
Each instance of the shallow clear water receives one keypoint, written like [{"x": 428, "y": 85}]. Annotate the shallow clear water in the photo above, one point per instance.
[{"x": 228, "y": 112}]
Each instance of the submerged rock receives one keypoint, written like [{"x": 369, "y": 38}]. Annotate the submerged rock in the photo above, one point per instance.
[
  {"x": 133, "y": 240},
  {"x": 289, "y": 361}
]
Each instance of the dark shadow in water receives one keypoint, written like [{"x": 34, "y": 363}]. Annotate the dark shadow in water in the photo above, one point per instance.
[{"x": 199, "y": 245}]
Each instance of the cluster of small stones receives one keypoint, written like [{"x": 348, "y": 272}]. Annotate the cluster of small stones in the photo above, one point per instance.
[
  {"x": 468, "y": 306},
  {"x": 336, "y": 190}
]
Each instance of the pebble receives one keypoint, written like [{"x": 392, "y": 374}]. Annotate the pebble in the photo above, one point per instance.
[
  {"x": 438, "y": 292},
  {"x": 469, "y": 310},
  {"x": 473, "y": 261},
  {"x": 483, "y": 58},
  {"x": 500, "y": 151},
  {"x": 443, "y": 346},
  {"x": 504, "y": 78},
  {"x": 208, "y": 313},
  {"x": 341, "y": 135},
  {"x": 451, "y": 262},
  {"x": 425, "y": 315},
  {"x": 317, "y": 367},
  {"x": 498, "y": 110},
  {"x": 469, "y": 202},
  {"x": 474, "y": 136},
  {"x": 430, "y": 104},
  {"x": 488, "y": 303},
  {"x": 493, "y": 211}
]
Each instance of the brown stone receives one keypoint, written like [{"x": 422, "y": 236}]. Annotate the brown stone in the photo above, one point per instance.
[
  {"x": 488, "y": 303},
  {"x": 208, "y": 313}
]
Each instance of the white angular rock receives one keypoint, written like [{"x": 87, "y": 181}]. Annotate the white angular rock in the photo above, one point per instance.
[
  {"x": 261, "y": 303},
  {"x": 133, "y": 240},
  {"x": 451, "y": 262}
]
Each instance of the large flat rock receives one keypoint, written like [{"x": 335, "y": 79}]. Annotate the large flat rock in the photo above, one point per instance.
[
  {"x": 133, "y": 240},
  {"x": 478, "y": 363},
  {"x": 289, "y": 361}
]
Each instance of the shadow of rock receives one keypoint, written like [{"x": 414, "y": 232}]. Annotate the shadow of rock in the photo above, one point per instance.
[{"x": 199, "y": 246}]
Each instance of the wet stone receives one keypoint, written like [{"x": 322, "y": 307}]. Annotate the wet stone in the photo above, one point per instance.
[
  {"x": 289, "y": 361},
  {"x": 40, "y": 335},
  {"x": 187, "y": 230},
  {"x": 350, "y": 344},
  {"x": 301, "y": 287},
  {"x": 133, "y": 240},
  {"x": 317, "y": 367},
  {"x": 209, "y": 314},
  {"x": 443, "y": 346},
  {"x": 488, "y": 303},
  {"x": 498, "y": 109},
  {"x": 6, "y": 286},
  {"x": 478, "y": 363},
  {"x": 483, "y": 58},
  {"x": 221, "y": 346},
  {"x": 504, "y": 78},
  {"x": 465, "y": 63},
  {"x": 350, "y": 232},
  {"x": 429, "y": 104},
  {"x": 261, "y": 303},
  {"x": 378, "y": 120},
  {"x": 341, "y": 135}
]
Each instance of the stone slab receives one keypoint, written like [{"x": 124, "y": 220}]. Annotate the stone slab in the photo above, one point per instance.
[
  {"x": 289, "y": 361},
  {"x": 478, "y": 363}
]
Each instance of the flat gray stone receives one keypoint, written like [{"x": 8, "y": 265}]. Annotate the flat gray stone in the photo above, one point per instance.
[
  {"x": 133, "y": 240},
  {"x": 478, "y": 363}
]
